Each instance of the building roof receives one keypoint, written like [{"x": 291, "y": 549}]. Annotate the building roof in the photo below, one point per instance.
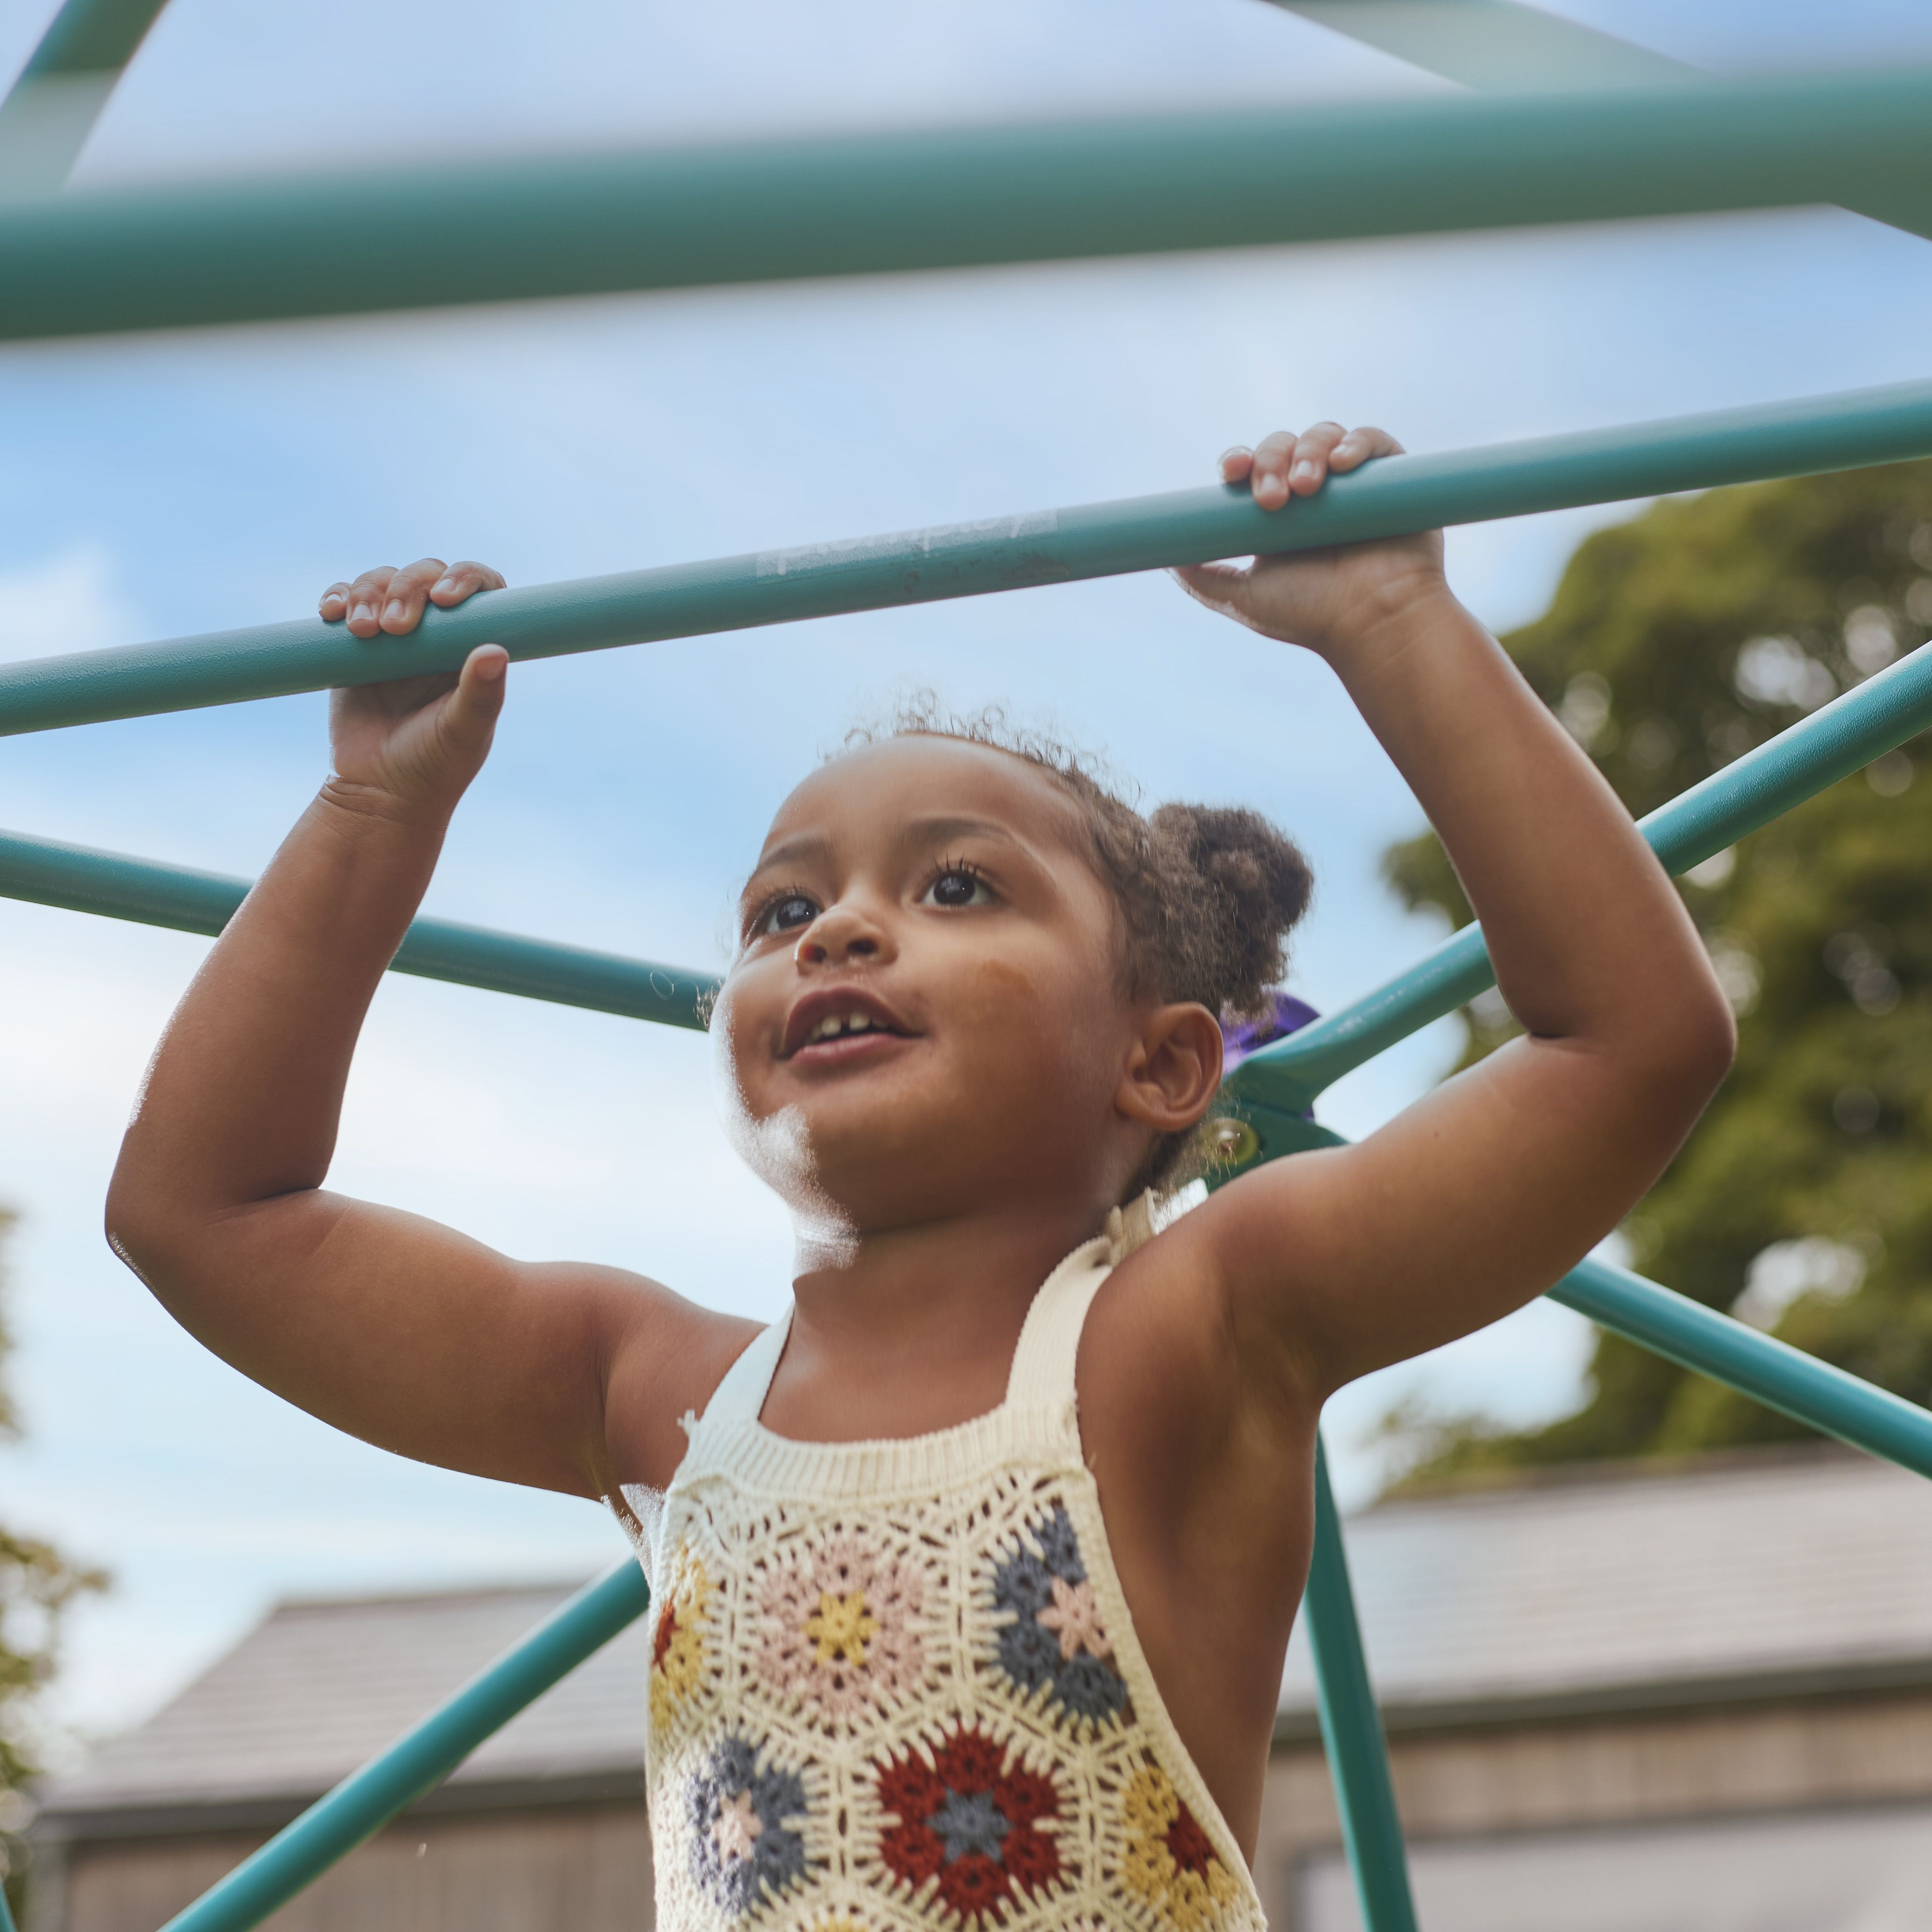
[
  {"x": 319, "y": 1688},
  {"x": 1756, "y": 1575},
  {"x": 1771, "y": 1574}
]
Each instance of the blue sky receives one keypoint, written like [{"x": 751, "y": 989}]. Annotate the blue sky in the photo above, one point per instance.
[{"x": 151, "y": 486}]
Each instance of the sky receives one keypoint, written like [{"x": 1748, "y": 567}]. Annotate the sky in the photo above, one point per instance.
[{"x": 153, "y": 486}]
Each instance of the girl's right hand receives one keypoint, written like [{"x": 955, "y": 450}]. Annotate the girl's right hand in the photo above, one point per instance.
[{"x": 413, "y": 744}]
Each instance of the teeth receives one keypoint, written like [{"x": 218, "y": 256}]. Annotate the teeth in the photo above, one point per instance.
[{"x": 833, "y": 1025}]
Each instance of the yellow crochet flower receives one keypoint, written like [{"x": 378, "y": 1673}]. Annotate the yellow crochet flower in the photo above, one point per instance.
[
  {"x": 1195, "y": 1901},
  {"x": 1151, "y": 1805},
  {"x": 677, "y": 1651},
  {"x": 1149, "y": 1870},
  {"x": 841, "y": 1627},
  {"x": 1170, "y": 1863}
]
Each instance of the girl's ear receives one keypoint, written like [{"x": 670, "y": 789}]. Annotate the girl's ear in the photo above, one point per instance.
[{"x": 1174, "y": 1070}]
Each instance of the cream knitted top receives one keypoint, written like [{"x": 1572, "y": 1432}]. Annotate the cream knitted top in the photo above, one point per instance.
[{"x": 894, "y": 1685}]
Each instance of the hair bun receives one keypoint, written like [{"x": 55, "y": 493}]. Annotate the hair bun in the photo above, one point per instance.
[{"x": 1251, "y": 885}]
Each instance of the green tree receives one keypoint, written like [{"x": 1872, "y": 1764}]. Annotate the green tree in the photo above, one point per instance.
[
  {"x": 1803, "y": 1202},
  {"x": 37, "y": 1585}
]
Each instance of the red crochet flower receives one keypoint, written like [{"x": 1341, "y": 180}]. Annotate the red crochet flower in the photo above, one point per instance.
[
  {"x": 971, "y": 1820},
  {"x": 1188, "y": 1842},
  {"x": 667, "y": 1630},
  {"x": 969, "y": 1761},
  {"x": 974, "y": 1884}
]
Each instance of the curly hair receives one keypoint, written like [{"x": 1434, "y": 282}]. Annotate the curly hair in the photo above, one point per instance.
[{"x": 1208, "y": 894}]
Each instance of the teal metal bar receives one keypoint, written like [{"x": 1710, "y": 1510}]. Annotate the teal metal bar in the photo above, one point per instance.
[
  {"x": 81, "y": 879},
  {"x": 1351, "y": 1727},
  {"x": 1697, "y": 1337},
  {"x": 47, "y": 118},
  {"x": 251, "y": 250},
  {"x": 1847, "y": 733},
  {"x": 1495, "y": 46},
  {"x": 91, "y": 37},
  {"x": 365, "y": 1801},
  {"x": 1502, "y": 47},
  {"x": 1396, "y": 494},
  {"x": 1769, "y": 1371},
  {"x": 6, "y": 1911}
]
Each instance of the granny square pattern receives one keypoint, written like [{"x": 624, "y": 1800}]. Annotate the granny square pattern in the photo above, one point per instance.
[{"x": 894, "y": 1686}]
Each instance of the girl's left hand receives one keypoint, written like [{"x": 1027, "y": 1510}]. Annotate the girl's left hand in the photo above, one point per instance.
[{"x": 1326, "y": 600}]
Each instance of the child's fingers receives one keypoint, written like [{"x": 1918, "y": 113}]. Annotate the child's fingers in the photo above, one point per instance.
[
  {"x": 365, "y": 600},
  {"x": 1267, "y": 481},
  {"x": 334, "y": 602},
  {"x": 461, "y": 580},
  {"x": 408, "y": 591},
  {"x": 1222, "y": 587},
  {"x": 1360, "y": 445},
  {"x": 470, "y": 716},
  {"x": 1236, "y": 463},
  {"x": 1313, "y": 448}
]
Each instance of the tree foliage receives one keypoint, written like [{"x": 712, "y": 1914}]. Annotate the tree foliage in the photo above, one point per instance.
[
  {"x": 1803, "y": 1202},
  {"x": 37, "y": 1585}
]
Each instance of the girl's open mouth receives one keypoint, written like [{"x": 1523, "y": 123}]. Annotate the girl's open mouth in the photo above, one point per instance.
[{"x": 839, "y": 1023}]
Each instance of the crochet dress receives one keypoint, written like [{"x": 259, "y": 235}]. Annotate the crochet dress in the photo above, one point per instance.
[{"x": 894, "y": 1685}]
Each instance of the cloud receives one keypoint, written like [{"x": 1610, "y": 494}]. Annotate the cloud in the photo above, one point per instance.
[{"x": 68, "y": 603}]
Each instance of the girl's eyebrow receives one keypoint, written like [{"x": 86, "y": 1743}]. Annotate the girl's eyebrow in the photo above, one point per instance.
[
  {"x": 929, "y": 830},
  {"x": 789, "y": 851},
  {"x": 938, "y": 828}
]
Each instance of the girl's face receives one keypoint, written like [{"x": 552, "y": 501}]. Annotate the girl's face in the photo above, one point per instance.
[{"x": 925, "y": 1017}]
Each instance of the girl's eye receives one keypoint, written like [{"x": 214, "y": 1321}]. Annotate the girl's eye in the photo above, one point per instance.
[
  {"x": 957, "y": 888},
  {"x": 790, "y": 912}
]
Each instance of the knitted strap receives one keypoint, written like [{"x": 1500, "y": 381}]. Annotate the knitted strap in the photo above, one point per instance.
[
  {"x": 741, "y": 1395},
  {"x": 1043, "y": 1376}
]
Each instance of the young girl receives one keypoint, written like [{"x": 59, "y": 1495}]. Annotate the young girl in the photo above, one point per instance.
[{"x": 971, "y": 1593}]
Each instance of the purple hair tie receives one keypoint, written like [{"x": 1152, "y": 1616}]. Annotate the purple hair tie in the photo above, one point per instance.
[{"x": 1282, "y": 1014}]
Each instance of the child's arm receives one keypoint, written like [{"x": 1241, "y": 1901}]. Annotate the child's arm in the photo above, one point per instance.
[
  {"x": 397, "y": 1330},
  {"x": 1482, "y": 1194}
]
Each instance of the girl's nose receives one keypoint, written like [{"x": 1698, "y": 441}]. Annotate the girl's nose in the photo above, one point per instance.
[{"x": 836, "y": 935}]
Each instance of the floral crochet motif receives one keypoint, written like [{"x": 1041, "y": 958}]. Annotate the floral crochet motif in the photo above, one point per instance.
[
  {"x": 677, "y": 1647},
  {"x": 1055, "y": 1641},
  {"x": 745, "y": 1844},
  {"x": 1171, "y": 1861},
  {"x": 894, "y": 1686},
  {"x": 972, "y": 1818},
  {"x": 840, "y": 1627}
]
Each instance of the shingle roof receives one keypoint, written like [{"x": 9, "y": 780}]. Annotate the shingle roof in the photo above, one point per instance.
[
  {"x": 317, "y": 1688},
  {"x": 1759, "y": 1575},
  {"x": 1751, "y": 1574}
]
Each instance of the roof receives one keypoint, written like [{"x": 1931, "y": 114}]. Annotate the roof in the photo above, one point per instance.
[
  {"x": 1772, "y": 1574},
  {"x": 1756, "y": 1575},
  {"x": 318, "y": 1687}
]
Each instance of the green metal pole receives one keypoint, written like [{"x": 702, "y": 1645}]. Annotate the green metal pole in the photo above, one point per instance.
[
  {"x": 1769, "y": 1371},
  {"x": 91, "y": 37},
  {"x": 45, "y": 121},
  {"x": 1502, "y": 47},
  {"x": 1845, "y": 735},
  {"x": 1351, "y": 1727},
  {"x": 45, "y": 872},
  {"x": 6, "y": 1910},
  {"x": 251, "y": 249},
  {"x": 365, "y": 1801},
  {"x": 1394, "y": 495},
  {"x": 1495, "y": 46}
]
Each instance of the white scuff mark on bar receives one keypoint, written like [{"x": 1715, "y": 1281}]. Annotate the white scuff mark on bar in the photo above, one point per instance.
[{"x": 940, "y": 537}]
